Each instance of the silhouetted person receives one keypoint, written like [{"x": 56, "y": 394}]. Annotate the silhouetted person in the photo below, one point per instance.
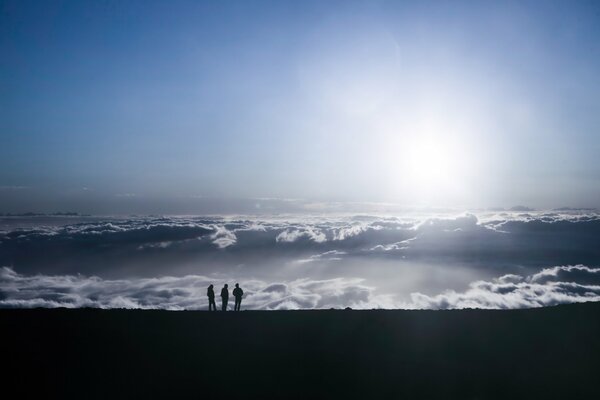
[
  {"x": 224, "y": 297},
  {"x": 237, "y": 293},
  {"x": 212, "y": 306}
]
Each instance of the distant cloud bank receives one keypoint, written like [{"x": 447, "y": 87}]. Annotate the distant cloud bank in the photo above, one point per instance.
[{"x": 104, "y": 246}]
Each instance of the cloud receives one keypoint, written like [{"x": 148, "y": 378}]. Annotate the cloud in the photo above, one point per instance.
[
  {"x": 178, "y": 293},
  {"x": 145, "y": 246},
  {"x": 333, "y": 255},
  {"x": 291, "y": 235},
  {"x": 572, "y": 273},
  {"x": 402, "y": 245},
  {"x": 501, "y": 241},
  {"x": 353, "y": 230},
  {"x": 223, "y": 237},
  {"x": 551, "y": 286}
]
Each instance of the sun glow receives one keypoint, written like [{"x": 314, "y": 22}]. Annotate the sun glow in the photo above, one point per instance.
[
  {"x": 435, "y": 168},
  {"x": 430, "y": 162}
]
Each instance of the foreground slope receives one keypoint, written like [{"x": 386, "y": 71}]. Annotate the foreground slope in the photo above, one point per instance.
[{"x": 468, "y": 354}]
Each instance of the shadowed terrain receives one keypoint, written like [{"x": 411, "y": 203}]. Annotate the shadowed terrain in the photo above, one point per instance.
[{"x": 469, "y": 354}]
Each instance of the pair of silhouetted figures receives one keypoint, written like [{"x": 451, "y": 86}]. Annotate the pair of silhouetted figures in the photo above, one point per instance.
[{"x": 237, "y": 293}]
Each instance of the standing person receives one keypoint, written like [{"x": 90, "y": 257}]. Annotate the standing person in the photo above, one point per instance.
[
  {"x": 238, "y": 293},
  {"x": 224, "y": 297},
  {"x": 212, "y": 306}
]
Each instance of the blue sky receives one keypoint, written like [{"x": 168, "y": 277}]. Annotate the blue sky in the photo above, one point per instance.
[{"x": 473, "y": 104}]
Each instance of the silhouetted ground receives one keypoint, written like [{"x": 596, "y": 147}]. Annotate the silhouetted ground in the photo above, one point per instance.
[{"x": 469, "y": 354}]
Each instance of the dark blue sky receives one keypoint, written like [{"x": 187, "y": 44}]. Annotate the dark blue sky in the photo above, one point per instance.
[{"x": 114, "y": 106}]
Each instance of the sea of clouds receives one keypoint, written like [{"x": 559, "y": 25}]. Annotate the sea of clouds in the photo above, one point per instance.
[
  {"x": 514, "y": 259},
  {"x": 551, "y": 286}
]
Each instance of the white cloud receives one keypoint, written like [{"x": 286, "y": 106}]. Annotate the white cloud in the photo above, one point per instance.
[
  {"x": 333, "y": 255},
  {"x": 402, "y": 245},
  {"x": 291, "y": 235},
  {"x": 177, "y": 293},
  {"x": 223, "y": 237},
  {"x": 347, "y": 232},
  {"x": 513, "y": 291},
  {"x": 189, "y": 292}
]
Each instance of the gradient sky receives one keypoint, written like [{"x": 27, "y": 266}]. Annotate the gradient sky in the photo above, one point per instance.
[{"x": 157, "y": 106}]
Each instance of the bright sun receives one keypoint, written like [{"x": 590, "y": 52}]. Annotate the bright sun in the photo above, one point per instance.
[
  {"x": 434, "y": 168},
  {"x": 430, "y": 162}
]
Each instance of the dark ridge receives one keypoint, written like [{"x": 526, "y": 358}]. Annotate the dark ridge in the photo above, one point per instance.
[{"x": 464, "y": 354}]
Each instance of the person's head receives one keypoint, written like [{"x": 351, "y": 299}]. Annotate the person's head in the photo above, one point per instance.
[
  {"x": 237, "y": 285},
  {"x": 210, "y": 287},
  {"x": 226, "y": 286}
]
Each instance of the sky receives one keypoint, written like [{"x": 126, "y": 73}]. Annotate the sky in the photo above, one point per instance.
[{"x": 116, "y": 107}]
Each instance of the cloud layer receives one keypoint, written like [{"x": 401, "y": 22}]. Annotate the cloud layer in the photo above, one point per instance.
[
  {"x": 178, "y": 293},
  {"x": 361, "y": 261},
  {"x": 147, "y": 246},
  {"x": 551, "y": 286}
]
